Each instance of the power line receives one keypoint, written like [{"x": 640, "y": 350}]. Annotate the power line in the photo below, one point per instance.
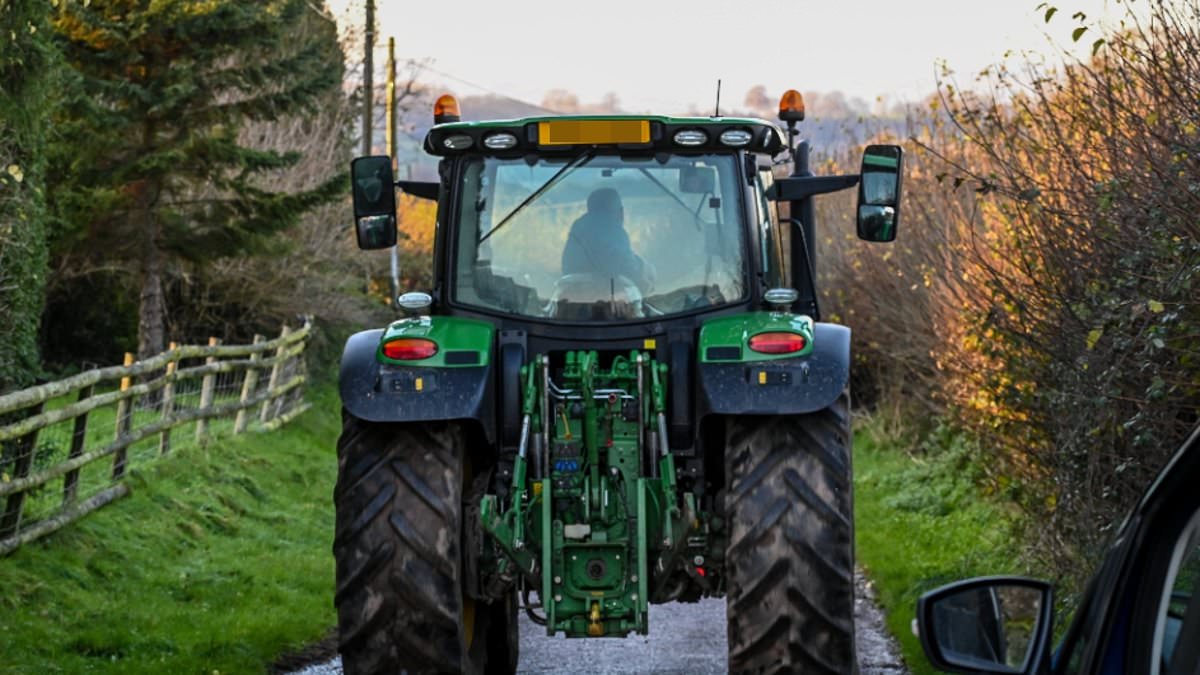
[{"x": 493, "y": 92}]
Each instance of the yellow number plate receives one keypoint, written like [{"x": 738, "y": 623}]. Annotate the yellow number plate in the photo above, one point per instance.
[{"x": 593, "y": 132}]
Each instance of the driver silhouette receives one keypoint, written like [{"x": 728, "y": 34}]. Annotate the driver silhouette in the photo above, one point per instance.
[{"x": 598, "y": 243}]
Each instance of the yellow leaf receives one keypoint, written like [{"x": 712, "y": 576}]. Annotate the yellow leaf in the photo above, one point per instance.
[
  {"x": 1094, "y": 337},
  {"x": 16, "y": 172},
  {"x": 1155, "y": 306},
  {"x": 4, "y": 478}
]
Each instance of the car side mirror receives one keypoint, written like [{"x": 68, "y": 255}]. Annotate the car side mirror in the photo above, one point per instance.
[
  {"x": 879, "y": 192},
  {"x": 987, "y": 625},
  {"x": 374, "y": 193}
]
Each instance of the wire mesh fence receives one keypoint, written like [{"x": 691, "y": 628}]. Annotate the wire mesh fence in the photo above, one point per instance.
[{"x": 65, "y": 446}]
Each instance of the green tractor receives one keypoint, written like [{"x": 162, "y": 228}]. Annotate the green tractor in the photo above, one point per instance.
[{"x": 618, "y": 392}]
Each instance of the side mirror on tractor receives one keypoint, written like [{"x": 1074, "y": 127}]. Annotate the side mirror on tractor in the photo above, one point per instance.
[
  {"x": 879, "y": 192},
  {"x": 374, "y": 201}
]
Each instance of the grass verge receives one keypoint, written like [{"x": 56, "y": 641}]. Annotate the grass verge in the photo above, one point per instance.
[
  {"x": 217, "y": 563},
  {"x": 921, "y": 522},
  {"x": 220, "y": 561}
]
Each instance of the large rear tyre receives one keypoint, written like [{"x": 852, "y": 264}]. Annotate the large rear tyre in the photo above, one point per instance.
[
  {"x": 790, "y": 562},
  {"x": 398, "y": 548},
  {"x": 504, "y": 639}
]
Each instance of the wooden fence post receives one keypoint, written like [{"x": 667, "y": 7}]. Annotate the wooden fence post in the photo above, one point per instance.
[
  {"x": 276, "y": 372},
  {"x": 206, "y": 393},
  {"x": 16, "y": 529},
  {"x": 168, "y": 403},
  {"x": 248, "y": 385},
  {"x": 10, "y": 520},
  {"x": 124, "y": 420},
  {"x": 78, "y": 438},
  {"x": 298, "y": 367}
]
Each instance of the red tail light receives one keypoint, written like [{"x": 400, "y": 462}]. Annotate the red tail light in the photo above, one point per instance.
[
  {"x": 778, "y": 343},
  {"x": 409, "y": 349}
]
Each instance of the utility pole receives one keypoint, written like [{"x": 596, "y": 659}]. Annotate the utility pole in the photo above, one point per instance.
[
  {"x": 391, "y": 101},
  {"x": 368, "y": 78},
  {"x": 391, "y": 150}
]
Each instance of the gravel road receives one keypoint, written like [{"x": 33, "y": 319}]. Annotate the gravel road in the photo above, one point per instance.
[{"x": 684, "y": 638}]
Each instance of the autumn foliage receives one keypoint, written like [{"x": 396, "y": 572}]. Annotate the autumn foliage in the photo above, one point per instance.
[{"x": 1044, "y": 291}]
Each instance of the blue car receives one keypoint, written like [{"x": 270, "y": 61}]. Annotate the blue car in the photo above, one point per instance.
[{"x": 1140, "y": 613}]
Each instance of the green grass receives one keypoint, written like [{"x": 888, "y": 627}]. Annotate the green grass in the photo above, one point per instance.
[
  {"x": 219, "y": 562},
  {"x": 921, "y": 521}
]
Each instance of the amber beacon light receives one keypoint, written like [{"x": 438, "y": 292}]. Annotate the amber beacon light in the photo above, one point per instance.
[
  {"x": 445, "y": 109},
  {"x": 791, "y": 106}
]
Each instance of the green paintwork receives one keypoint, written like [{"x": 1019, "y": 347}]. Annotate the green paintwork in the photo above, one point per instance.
[
  {"x": 736, "y": 331},
  {"x": 592, "y": 534},
  {"x": 449, "y": 332},
  {"x": 879, "y": 160}
]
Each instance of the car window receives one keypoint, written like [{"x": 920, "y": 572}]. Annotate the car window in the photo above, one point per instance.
[
  {"x": 1073, "y": 655},
  {"x": 1177, "y": 630},
  {"x": 1069, "y": 657}
]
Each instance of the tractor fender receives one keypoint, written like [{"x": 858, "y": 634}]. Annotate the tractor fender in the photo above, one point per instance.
[
  {"x": 792, "y": 386},
  {"x": 380, "y": 392}
]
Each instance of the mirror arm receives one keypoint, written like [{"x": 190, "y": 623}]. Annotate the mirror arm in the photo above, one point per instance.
[
  {"x": 419, "y": 189},
  {"x": 794, "y": 188}
]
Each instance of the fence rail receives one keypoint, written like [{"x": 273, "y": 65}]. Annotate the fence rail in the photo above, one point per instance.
[{"x": 62, "y": 429}]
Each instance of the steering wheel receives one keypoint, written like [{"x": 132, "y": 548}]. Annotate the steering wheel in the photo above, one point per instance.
[{"x": 595, "y": 296}]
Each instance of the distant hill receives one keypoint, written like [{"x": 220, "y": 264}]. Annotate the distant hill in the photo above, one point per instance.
[{"x": 492, "y": 107}]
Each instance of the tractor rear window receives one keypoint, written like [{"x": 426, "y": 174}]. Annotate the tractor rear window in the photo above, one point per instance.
[{"x": 600, "y": 237}]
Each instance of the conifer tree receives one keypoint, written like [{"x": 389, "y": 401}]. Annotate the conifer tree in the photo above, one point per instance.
[
  {"x": 27, "y": 69},
  {"x": 150, "y": 144}
]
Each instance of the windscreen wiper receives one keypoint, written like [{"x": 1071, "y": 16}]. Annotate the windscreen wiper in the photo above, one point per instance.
[
  {"x": 672, "y": 195},
  {"x": 579, "y": 160}
]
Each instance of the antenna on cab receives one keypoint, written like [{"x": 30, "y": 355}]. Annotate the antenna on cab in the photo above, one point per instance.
[{"x": 717, "y": 112}]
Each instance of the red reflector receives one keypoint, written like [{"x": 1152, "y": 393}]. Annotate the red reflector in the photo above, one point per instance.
[
  {"x": 700, "y": 571},
  {"x": 778, "y": 343},
  {"x": 409, "y": 349}
]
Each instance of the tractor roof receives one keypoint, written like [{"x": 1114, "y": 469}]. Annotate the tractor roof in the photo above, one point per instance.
[{"x": 564, "y": 133}]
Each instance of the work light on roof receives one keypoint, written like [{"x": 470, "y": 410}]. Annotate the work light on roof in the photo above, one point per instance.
[
  {"x": 735, "y": 137},
  {"x": 691, "y": 137},
  {"x": 458, "y": 142},
  {"x": 500, "y": 141}
]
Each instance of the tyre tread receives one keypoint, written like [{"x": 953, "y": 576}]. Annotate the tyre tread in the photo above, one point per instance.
[
  {"x": 790, "y": 560},
  {"x": 397, "y": 548}
]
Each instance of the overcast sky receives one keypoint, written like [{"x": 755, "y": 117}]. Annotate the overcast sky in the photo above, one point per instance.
[{"x": 667, "y": 56}]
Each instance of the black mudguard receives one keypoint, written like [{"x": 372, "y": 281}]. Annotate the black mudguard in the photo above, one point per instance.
[
  {"x": 385, "y": 393},
  {"x": 782, "y": 387}
]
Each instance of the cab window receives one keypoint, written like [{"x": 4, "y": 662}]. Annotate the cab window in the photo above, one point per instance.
[
  {"x": 600, "y": 237},
  {"x": 770, "y": 240}
]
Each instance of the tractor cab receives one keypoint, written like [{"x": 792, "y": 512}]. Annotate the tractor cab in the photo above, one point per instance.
[{"x": 614, "y": 219}]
